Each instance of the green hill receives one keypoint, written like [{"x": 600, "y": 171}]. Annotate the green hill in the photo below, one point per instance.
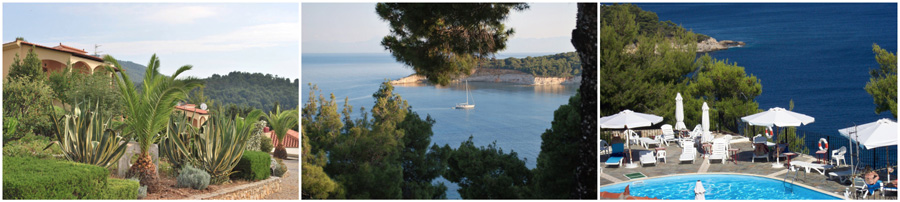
[
  {"x": 134, "y": 71},
  {"x": 557, "y": 65},
  {"x": 257, "y": 90}
]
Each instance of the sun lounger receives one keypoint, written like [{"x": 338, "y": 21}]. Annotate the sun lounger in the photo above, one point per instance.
[
  {"x": 719, "y": 151},
  {"x": 646, "y": 142},
  {"x": 842, "y": 176},
  {"x": 688, "y": 154},
  {"x": 668, "y": 135},
  {"x": 866, "y": 189},
  {"x": 618, "y": 155},
  {"x": 647, "y": 158},
  {"x": 811, "y": 166}
]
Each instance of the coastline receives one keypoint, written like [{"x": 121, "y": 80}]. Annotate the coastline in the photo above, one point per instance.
[
  {"x": 498, "y": 76},
  {"x": 711, "y": 44}
]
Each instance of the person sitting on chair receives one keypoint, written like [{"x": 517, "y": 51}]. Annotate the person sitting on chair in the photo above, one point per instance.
[{"x": 872, "y": 182}]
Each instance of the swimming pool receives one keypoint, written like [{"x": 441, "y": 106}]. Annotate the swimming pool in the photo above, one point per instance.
[{"x": 718, "y": 187}]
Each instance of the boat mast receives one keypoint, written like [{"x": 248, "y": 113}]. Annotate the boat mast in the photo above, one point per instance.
[{"x": 467, "y": 91}]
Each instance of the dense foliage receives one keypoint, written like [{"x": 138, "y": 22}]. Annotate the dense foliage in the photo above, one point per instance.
[
  {"x": 658, "y": 65},
  {"x": 31, "y": 178},
  {"x": 556, "y": 65},
  {"x": 118, "y": 189},
  {"x": 30, "y": 145},
  {"x": 440, "y": 41},
  {"x": 385, "y": 157},
  {"x": 256, "y": 90},
  {"x": 29, "y": 102},
  {"x": 883, "y": 84},
  {"x": 488, "y": 172},
  {"x": 559, "y": 153},
  {"x": 31, "y": 68}
]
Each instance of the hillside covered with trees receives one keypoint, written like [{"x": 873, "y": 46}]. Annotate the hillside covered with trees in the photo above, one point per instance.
[
  {"x": 556, "y": 65},
  {"x": 256, "y": 90}
]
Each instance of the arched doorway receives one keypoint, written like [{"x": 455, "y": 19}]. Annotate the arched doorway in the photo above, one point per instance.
[
  {"x": 82, "y": 67},
  {"x": 49, "y": 66}
]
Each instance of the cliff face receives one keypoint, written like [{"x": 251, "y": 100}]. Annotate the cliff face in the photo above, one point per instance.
[{"x": 500, "y": 76}]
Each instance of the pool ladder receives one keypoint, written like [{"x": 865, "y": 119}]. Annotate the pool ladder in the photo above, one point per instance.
[{"x": 785, "y": 183}]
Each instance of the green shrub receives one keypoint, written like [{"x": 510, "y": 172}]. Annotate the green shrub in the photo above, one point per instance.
[
  {"x": 265, "y": 144},
  {"x": 142, "y": 190},
  {"x": 165, "y": 169},
  {"x": 192, "y": 177},
  {"x": 279, "y": 169},
  {"x": 118, "y": 189},
  {"x": 29, "y": 103},
  {"x": 32, "y": 178},
  {"x": 30, "y": 145},
  {"x": 253, "y": 165}
]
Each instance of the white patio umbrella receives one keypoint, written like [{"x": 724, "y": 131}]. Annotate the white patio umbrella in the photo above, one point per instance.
[
  {"x": 679, "y": 113},
  {"x": 881, "y": 133},
  {"x": 778, "y": 117},
  {"x": 705, "y": 122},
  {"x": 699, "y": 191},
  {"x": 629, "y": 119}
]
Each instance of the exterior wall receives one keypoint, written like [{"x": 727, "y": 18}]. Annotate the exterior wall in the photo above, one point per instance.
[
  {"x": 198, "y": 119},
  {"x": 45, "y": 54}
]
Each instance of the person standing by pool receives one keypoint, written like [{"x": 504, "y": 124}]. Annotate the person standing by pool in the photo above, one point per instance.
[{"x": 699, "y": 191}]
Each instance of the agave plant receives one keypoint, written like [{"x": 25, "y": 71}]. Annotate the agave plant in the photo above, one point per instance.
[
  {"x": 147, "y": 111},
  {"x": 85, "y": 137},
  {"x": 222, "y": 143},
  {"x": 281, "y": 122},
  {"x": 177, "y": 144}
]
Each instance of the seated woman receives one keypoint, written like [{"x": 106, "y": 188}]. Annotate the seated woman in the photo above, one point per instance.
[{"x": 872, "y": 182}]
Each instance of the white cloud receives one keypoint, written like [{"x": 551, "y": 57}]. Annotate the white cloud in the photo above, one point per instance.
[{"x": 257, "y": 36}]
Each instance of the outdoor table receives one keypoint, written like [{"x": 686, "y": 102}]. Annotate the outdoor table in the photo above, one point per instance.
[
  {"x": 734, "y": 155},
  {"x": 823, "y": 154},
  {"x": 706, "y": 147},
  {"x": 788, "y": 157}
]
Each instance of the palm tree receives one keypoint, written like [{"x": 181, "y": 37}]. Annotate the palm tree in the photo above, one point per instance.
[
  {"x": 281, "y": 122},
  {"x": 147, "y": 112}
]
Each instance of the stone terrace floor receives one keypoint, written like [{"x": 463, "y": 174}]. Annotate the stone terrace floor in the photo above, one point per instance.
[{"x": 614, "y": 174}]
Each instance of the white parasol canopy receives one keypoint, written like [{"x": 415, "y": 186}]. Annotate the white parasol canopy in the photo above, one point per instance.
[
  {"x": 881, "y": 133},
  {"x": 679, "y": 113},
  {"x": 699, "y": 191},
  {"x": 629, "y": 118},
  {"x": 778, "y": 117},
  {"x": 705, "y": 122}
]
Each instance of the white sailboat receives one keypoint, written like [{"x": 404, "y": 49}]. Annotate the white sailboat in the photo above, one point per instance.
[{"x": 466, "y": 105}]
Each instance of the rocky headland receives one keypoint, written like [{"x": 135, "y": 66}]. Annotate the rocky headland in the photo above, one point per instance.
[
  {"x": 498, "y": 76},
  {"x": 711, "y": 44}
]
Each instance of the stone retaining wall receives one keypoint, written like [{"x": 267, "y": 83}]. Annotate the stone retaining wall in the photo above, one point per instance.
[{"x": 252, "y": 191}]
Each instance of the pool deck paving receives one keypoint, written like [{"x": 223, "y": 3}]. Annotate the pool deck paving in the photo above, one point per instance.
[{"x": 613, "y": 174}]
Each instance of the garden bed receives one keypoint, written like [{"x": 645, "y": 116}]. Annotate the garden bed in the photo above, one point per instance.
[{"x": 168, "y": 190}]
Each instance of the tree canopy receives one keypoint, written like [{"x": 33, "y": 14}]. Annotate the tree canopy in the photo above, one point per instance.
[
  {"x": 256, "y": 90},
  {"x": 883, "y": 83},
  {"x": 644, "y": 69},
  {"x": 443, "y": 40},
  {"x": 556, "y": 65}
]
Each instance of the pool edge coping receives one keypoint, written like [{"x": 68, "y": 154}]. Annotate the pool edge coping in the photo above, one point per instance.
[{"x": 720, "y": 173}]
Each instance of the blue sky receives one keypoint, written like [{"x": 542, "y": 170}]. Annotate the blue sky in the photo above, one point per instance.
[
  {"x": 355, "y": 28},
  {"x": 214, "y": 38}
]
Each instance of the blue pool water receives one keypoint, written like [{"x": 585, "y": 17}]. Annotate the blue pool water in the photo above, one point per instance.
[
  {"x": 718, "y": 187},
  {"x": 818, "y": 54}
]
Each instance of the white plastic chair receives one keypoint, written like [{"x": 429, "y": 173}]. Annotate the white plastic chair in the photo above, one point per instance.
[
  {"x": 661, "y": 154},
  {"x": 719, "y": 151},
  {"x": 605, "y": 147},
  {"x": 837, "y": 156}
]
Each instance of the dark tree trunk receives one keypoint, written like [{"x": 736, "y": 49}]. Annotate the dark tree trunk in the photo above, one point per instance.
[
  {"x": 584, "y": 38},
  {"x": 280, "y": 152}
]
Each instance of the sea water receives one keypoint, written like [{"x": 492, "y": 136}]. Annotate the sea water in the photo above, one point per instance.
[
  {"x": 512, "y": 115},
  {"x": 818, "y": 55}
]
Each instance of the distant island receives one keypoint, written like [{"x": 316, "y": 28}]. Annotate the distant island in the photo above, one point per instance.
[{"x": 561, "y": 68}]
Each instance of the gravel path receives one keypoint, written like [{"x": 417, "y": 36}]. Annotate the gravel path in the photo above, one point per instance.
[{"x": 290, "y": 186}]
